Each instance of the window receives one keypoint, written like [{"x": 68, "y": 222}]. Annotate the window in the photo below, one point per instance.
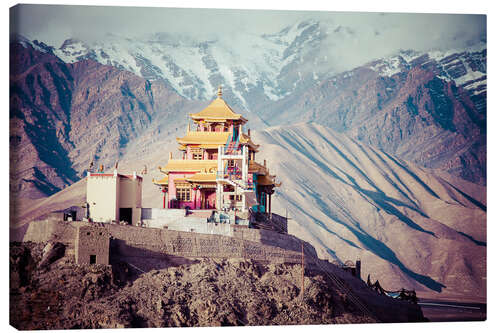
[
  {"x": 183, "y": 194},
  {"x": 92, "y": 259},
  {"x": 197, "y": 153},
  {"x": 236, "y": 197}
]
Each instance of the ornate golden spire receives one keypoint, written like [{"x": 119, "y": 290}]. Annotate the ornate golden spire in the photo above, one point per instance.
[{"x": 219, "y": 92}]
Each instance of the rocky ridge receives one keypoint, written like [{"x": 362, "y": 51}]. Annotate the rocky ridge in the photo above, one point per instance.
[
  {"x": 63, "y": 116},
  {"x": 204, "y": 293},
  {"x": 412, "y": 227},
  {"x": 403, "y": 104},
  {"x": 414, "y": 113}
]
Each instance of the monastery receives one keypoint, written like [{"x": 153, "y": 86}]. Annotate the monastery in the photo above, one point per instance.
[
  {"x": 215, "y": 179},
  {"x": 216, "y": 203},
  {"x": 218, "y": 168}
]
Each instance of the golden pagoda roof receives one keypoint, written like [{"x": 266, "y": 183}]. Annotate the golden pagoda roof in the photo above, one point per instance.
[
  {"x": 202, "y": 177},
  {"x": 216, "y": 111},
  {"x": 207, "y": 138},
  {"x": 245, "y": 139},
  {"x": 212, "y": 140},
  {"x": 189, "y": 165},
  {"x": 163, "y": 181},
  {"x": 205, "y": 146}
]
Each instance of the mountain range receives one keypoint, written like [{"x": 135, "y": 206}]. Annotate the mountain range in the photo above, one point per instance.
[
  {"x": 395, "y": 174},
  {"x": 411, "y": 227},
  {"x": 428, "y": 108}
]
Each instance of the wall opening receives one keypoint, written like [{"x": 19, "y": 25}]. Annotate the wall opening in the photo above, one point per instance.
[
  {"x": 92, "y": 259},
  {"x": 126, "y": 215}
]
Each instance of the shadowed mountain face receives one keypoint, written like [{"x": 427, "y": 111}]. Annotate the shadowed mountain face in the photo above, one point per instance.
[
  {"x": 63, "y": 116},
  {"x": 415, "y": 114},
  {"x": 410, "y": 227}
]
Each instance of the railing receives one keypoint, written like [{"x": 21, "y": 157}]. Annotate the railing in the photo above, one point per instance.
[
  {"x": 232, "y": 146},
  {"x": 235, "y": 181}
]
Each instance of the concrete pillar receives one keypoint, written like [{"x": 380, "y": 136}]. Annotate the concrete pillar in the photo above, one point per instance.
[
  {"x": 245, "y": 165},
  {"x": 219, "y": 196},
  {"x": 220, "y": 166}
]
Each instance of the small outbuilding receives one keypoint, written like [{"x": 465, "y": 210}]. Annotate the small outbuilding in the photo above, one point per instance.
[
  {"x": 114, "y": 197},
  {"x": 92, "y": 244}
]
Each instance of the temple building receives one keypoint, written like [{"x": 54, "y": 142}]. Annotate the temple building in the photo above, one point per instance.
[{"x": 217, "y": 169}]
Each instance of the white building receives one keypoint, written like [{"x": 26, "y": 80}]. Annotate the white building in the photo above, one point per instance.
[{"x": 114, "y": 197}]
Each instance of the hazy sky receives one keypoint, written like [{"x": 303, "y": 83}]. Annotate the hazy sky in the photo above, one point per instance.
[{"x": 373, "y": 34}]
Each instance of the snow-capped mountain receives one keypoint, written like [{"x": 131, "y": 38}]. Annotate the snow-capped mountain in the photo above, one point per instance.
[
  {"x": 466, "y": 68},
  {"x": 407, "y": 104},
  {"x": 259, "y": 69},
  {"x": 252, "y": 70}
]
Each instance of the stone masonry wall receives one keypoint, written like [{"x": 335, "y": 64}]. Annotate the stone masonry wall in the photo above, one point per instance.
[
  {"x": 248, "y": 243},
  {"x": 186, "y": 244},
  {"x": 51, "y": 230},
  {"x": 92, "y": 240}
]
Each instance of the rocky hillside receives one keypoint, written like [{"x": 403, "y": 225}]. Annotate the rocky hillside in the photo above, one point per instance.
[
  {"x": 63, "y": 116},
  {"x": 411, "y": 227},
  {"x": 57, "y": 294},
  {"x": 82, "y": 102},
  {"x": 422, "y": 110}
]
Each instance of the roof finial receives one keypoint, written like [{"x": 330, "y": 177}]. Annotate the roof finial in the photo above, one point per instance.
[{"x": 219, "y": 92}]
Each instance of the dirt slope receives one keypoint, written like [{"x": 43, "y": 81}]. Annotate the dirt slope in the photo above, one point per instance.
[
  {"x": 411, "y": 227},
  {"x": 200, "y": 293}
]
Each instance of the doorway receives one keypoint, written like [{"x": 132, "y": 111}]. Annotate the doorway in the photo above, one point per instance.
[
  {"x": 208, "y": 199},
  {"x": 92, "y": 259},
  {"x": 126, "y": 215}
]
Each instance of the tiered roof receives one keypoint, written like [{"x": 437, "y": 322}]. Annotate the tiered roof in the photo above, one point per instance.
[
  {"x": 190, "y": 166},
  {"x": 218, "y": 111},
  {"x": 204, "y": 171},
  {"x": 211, "y": 140}
]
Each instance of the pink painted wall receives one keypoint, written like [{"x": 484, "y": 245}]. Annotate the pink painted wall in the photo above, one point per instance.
[
  {"x": 189, "y": 153},
  {"x": 171, "y": 187}
]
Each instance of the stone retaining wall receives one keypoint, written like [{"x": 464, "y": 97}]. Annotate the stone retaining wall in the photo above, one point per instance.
[
  {"x": 150, "y": 242},
  {"x": 51, "y": 230},
  {"x": 137, "y": 241}
]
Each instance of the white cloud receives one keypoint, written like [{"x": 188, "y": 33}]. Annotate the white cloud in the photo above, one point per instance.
[{"x": 360, "y": 36}]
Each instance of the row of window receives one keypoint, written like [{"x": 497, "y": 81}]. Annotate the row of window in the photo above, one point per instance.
[
  {"x": 184, "y": 194},
  {"x": 198, "y": 155},
  {"x": 236, "y": 197}
]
